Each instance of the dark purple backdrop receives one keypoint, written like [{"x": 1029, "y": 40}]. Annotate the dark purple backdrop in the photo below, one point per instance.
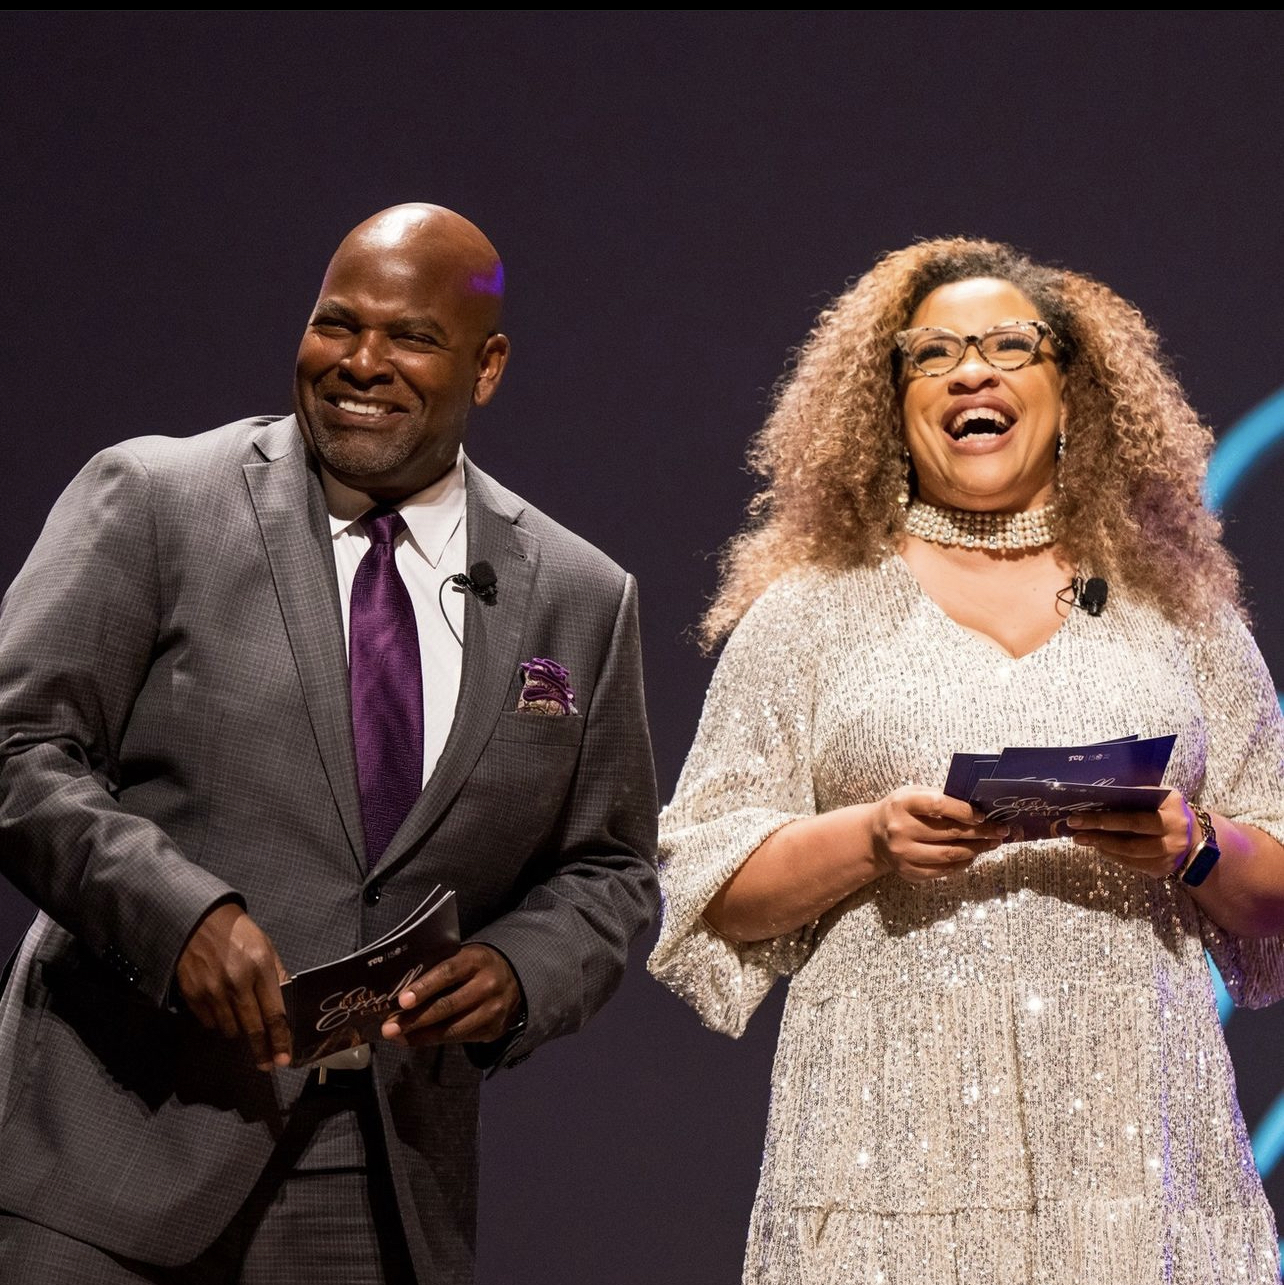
[{"x": 675, "y": 194}]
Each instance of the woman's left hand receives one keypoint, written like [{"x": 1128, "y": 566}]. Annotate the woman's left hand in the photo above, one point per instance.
[{"x": 1152, "y": 843}]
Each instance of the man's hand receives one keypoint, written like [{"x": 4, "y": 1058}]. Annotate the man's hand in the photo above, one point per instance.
[
  {"x": 472, "y": 998},
  {"x": 230, "y": 976}
]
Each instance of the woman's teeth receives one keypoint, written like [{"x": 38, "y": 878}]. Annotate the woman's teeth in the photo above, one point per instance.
[{"x": 979, "y": 420}]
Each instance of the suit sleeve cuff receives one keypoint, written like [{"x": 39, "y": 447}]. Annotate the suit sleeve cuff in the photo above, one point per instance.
[{"x": 170, "y": 997}]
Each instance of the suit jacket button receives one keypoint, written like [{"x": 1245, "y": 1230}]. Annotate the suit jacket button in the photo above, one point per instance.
[{"x": 372, "y": 894}]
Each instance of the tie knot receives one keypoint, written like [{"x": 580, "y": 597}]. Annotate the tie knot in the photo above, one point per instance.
[{"x": 383, "y": 525}]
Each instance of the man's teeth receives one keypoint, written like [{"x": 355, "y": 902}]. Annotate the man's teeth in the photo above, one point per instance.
[
  {"x": 363, "y": 408},
  {"x": 979, "y": 420}
]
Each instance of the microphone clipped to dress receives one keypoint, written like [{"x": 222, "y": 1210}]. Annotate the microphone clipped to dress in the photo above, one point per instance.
[{"x": 1090, "y": 594}]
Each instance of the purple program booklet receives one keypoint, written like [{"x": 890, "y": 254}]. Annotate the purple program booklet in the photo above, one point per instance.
[
  {"x": 1129, "y": 762},
  {"x": 1035, "y": 809},
  {"x": 341, "y": 1004},
  {"x": 1033, "y": 789}
]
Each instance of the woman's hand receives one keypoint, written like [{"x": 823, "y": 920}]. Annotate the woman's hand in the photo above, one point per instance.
[
  {"x": 919, "y": 834},
  {"x": 1152, "y": 843},
  {"x": 798, "y": 873}
]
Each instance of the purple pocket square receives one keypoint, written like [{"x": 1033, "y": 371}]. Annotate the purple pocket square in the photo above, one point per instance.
[{"x": 546, "y": 688}]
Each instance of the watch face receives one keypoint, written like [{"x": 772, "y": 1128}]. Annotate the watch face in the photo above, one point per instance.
[{"x": 1205, "y": 860}]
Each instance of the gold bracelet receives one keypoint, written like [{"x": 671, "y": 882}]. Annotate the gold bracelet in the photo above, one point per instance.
[{"x": 1201, "y": 819}]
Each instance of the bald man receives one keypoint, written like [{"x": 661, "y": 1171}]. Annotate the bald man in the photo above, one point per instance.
[{"x": 260, "y": 690}]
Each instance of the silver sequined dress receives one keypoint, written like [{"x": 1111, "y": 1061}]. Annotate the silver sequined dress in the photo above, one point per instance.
[{"x": 1014, "y": 1076}]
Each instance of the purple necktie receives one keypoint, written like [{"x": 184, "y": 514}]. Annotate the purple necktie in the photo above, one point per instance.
[{"x": 387, "y": 686}]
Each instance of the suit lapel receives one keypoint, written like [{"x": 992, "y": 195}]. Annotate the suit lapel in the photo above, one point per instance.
[
  {"x": 283, "y": 490},
  {"x": 492, "y": 637}
]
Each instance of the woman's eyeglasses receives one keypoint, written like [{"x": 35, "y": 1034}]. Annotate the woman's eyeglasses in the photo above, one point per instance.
[{"x": 933, "y": 350}]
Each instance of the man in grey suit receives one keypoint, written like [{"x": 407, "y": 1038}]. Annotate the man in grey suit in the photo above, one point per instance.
[{"x": 200, "y": 804}]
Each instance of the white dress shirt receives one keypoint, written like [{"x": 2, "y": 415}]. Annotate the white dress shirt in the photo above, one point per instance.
[{"x": 432, "y": 548}]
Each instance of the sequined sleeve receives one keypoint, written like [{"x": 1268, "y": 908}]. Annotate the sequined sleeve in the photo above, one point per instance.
[
  {"x": 748, "y": 774},
  {"x": 1243, "y": 780}
]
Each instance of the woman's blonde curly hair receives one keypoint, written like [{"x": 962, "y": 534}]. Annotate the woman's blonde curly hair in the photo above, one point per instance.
[{"x": 1129, "y": 504}]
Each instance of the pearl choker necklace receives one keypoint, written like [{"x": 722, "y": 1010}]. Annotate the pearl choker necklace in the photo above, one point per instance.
[{"x": 1031, "y": 530}]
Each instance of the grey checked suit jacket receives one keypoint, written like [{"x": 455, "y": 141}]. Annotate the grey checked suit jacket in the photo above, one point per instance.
[{"x": 175, "y": 731}]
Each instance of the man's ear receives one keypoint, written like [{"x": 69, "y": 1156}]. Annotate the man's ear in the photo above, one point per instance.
[{"x": 490, "y": 368}]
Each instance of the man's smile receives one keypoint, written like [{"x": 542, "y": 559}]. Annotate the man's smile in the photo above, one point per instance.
[
  {"x": 354, "y": 407},
  {"x": 352, "y": 410}
]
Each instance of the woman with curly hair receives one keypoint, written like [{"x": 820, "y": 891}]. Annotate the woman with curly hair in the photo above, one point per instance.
[{"x": 1000, "y": 1060}]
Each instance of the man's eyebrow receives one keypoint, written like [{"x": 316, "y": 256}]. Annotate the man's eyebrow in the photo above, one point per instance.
[
  {"x": 418, "y": 323},
  {"x": 328, "y": 308}
]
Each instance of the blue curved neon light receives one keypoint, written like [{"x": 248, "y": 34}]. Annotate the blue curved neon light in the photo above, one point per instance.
[
  {"x": 1244, "y": 444},
  {"x": 1225, "y": 1005},
  {"x": 1268, "y": 1137}
]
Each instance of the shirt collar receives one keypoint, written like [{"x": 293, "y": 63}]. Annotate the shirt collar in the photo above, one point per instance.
[{"x": 431, "y": 515}]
